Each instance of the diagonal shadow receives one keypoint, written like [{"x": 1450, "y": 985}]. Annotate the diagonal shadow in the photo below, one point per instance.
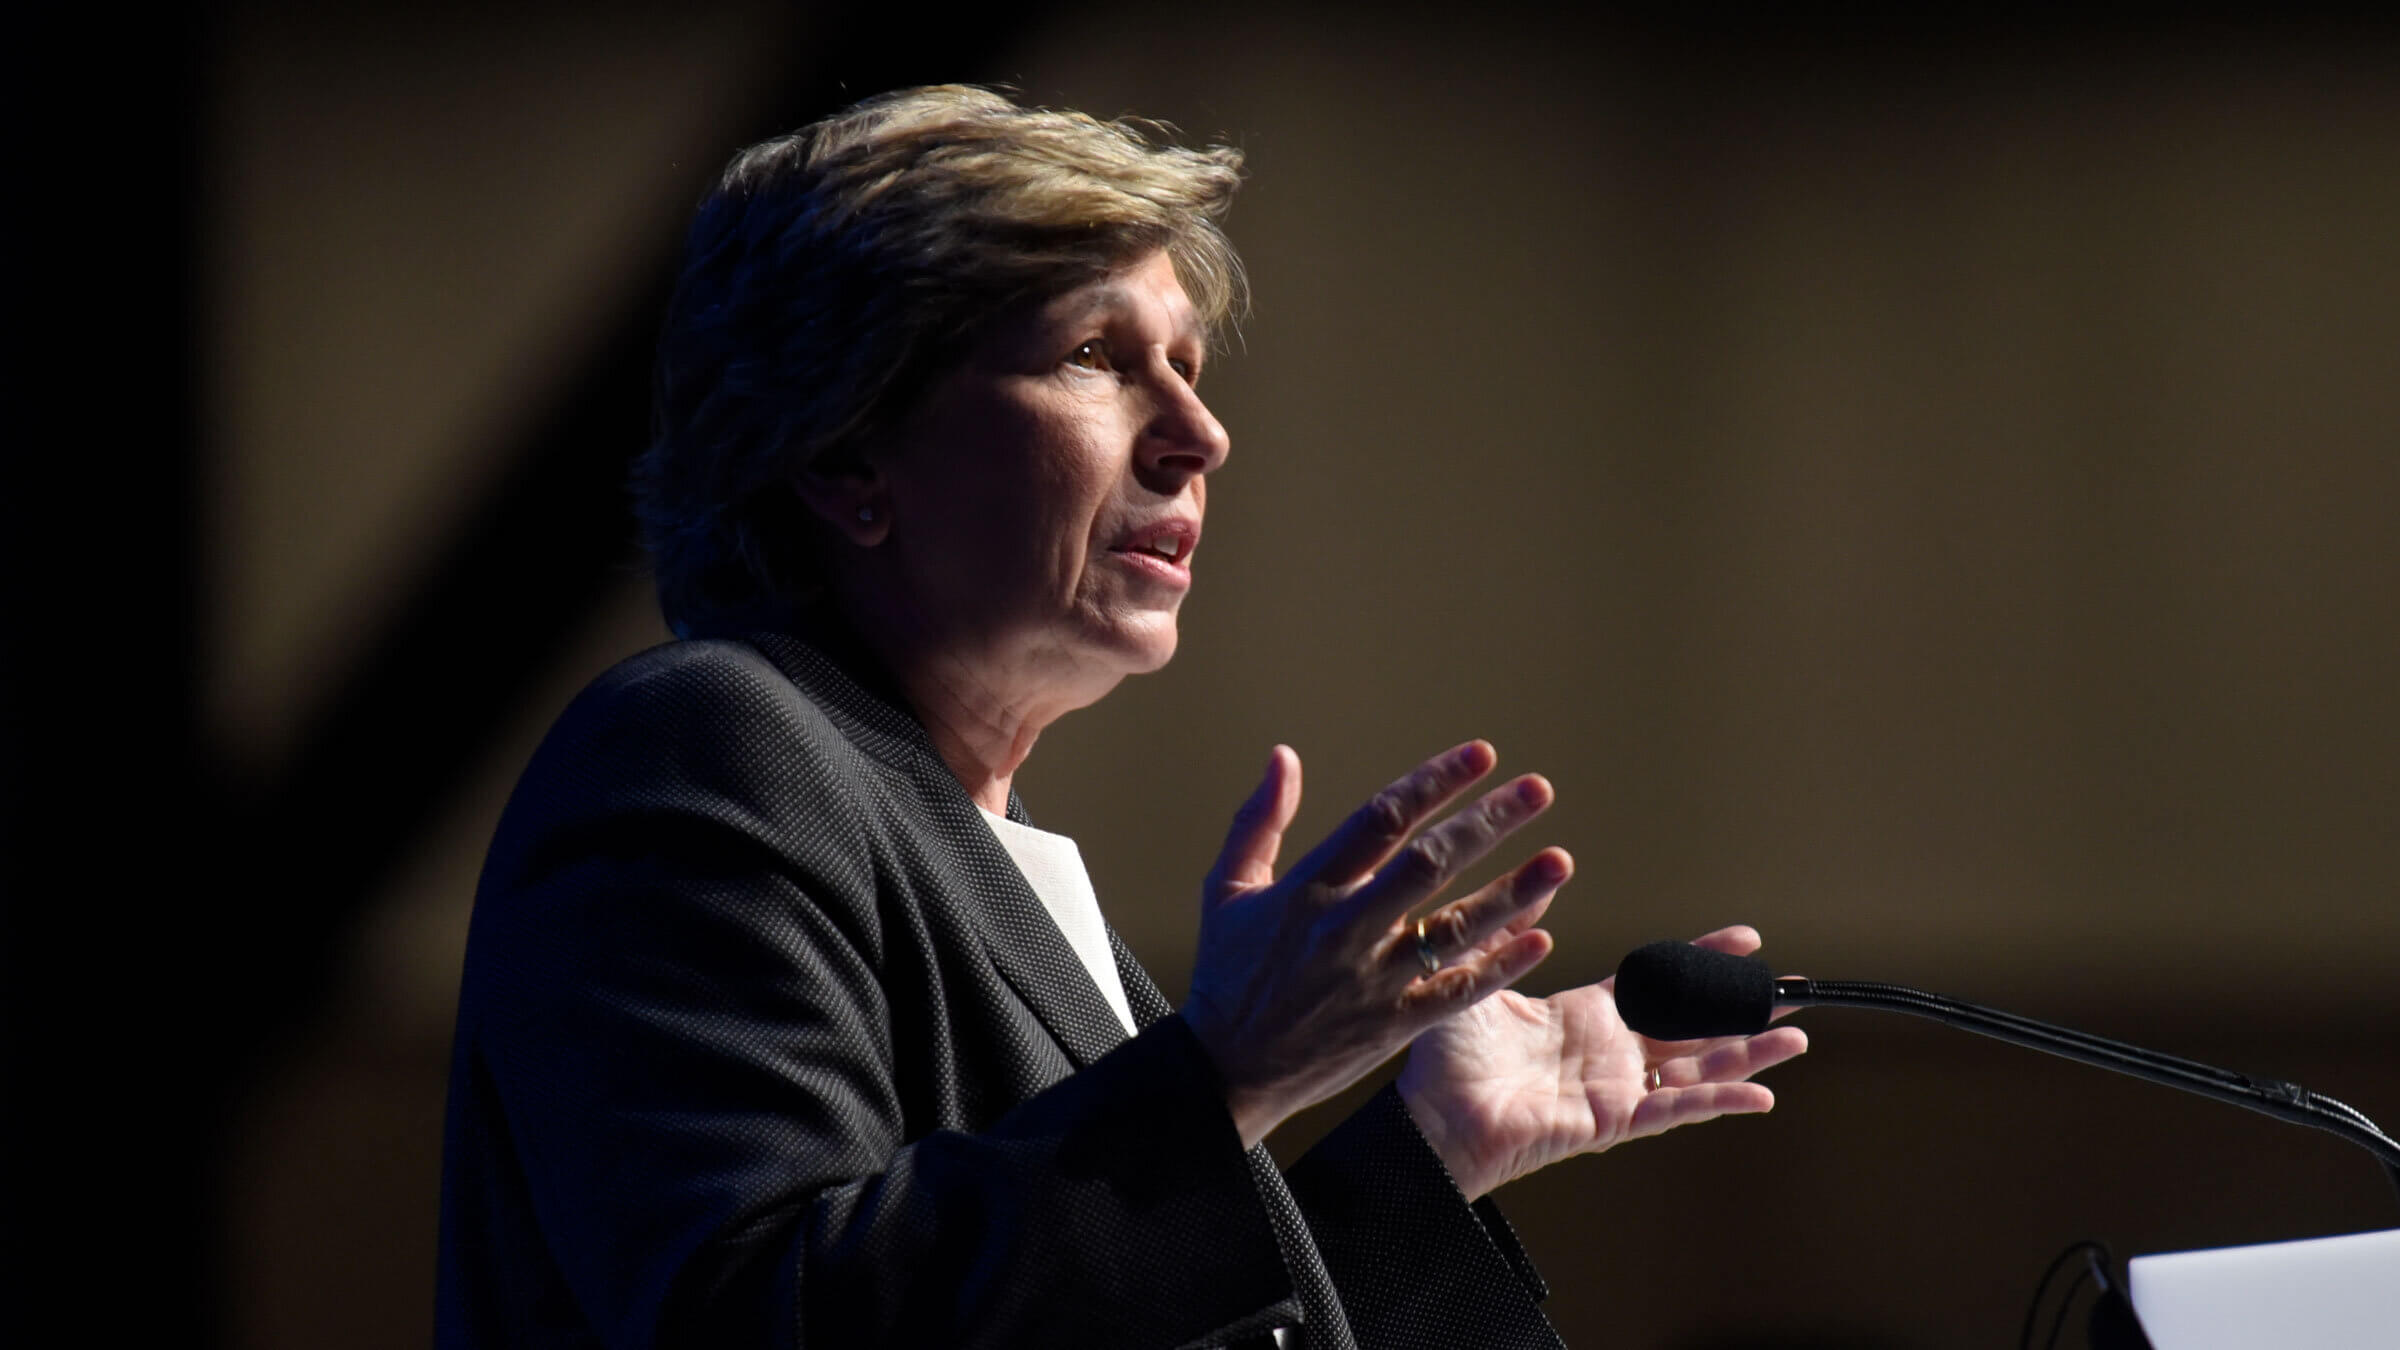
[
  {"x": 526, "y": 569},
  {"x": 164, "y": 937}
]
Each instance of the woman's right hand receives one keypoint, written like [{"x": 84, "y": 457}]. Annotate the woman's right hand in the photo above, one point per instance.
[{"x": 1305, "y": 982}]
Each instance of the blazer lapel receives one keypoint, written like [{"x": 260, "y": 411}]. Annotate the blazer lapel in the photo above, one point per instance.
[
  {"x": 1141, "y": 992},
  {"x": 1019, "y": 935},
  {"x": 994, "y": 900}
]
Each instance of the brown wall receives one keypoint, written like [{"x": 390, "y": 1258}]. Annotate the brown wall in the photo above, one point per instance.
[{"x": 1926, "y": 495}]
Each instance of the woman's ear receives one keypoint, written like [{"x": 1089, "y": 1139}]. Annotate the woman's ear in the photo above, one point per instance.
[{"x": 849, "y": 496}]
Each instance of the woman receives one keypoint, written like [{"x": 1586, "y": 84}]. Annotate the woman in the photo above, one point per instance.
[{"x": 781, "y": 1025}]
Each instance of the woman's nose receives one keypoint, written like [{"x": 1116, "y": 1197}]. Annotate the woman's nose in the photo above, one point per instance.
[{"x": 1183, "y": 437}]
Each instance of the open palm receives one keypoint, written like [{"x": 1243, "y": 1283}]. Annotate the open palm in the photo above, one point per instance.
[{"x": 1514, "y": 1084}]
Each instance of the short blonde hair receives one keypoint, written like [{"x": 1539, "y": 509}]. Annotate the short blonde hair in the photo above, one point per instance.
[{"x": 833, "y": 273}]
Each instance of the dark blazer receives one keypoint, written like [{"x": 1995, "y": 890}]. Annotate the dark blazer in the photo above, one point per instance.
[{"x": 764, "y": 1041}]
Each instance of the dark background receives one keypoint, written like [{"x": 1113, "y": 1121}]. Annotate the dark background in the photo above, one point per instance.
[{"x": 1923, "y": 488}]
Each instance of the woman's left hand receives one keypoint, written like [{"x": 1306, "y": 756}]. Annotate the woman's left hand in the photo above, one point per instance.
[{"x": 1514, "y": 1084}]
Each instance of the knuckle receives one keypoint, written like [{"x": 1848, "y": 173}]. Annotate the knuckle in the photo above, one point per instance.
[
  {"x": 1387, "y": 813},
  {"x": 1449, "y": 929},
  {"x": 1426, "y": 859},
  {"x": 1438, "y": 996},
  {"x": 1499, "y": 812}
]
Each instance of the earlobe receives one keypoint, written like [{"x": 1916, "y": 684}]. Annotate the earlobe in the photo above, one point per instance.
[{"x": 850, "y": 499}]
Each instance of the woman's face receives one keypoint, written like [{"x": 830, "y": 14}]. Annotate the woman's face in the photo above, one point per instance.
[{"x": 1046, "y": 496}]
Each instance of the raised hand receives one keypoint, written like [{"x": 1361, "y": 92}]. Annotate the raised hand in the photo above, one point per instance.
[
  {"x": 1515, "y": 1084},
  {"x": 1305, "y": 982}
]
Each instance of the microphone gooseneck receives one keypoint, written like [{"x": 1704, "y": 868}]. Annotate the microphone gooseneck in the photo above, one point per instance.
[{"x": 1675, "y": 991}]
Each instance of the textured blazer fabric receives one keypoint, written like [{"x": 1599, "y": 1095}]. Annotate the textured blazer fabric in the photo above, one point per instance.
[{"x": 764, "y": 1041}]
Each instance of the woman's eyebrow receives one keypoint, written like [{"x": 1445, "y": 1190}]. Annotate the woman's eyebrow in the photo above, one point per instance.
[{"x": 1120, "y": 299}]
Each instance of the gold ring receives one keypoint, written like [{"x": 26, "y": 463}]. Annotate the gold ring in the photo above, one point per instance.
[
  {"x": 1654, "y": 1082},
  {"x": 1425, "y": 953}
]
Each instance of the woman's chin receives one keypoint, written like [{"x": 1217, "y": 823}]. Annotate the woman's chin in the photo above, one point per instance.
[{"x": 1142, "y": 645}]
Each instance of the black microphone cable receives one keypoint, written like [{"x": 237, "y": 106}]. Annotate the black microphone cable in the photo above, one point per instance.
[{"x": 2110, "y": 1325}]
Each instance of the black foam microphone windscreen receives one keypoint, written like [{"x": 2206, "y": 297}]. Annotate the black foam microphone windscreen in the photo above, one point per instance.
[{"x": 1674, "y": 991}]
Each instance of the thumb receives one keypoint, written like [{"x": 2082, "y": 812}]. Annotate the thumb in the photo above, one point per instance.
[{"x": 1247, "y": 861}]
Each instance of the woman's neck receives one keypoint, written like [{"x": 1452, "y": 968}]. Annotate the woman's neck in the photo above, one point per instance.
[
  {"x": 982, "y": 710},
  {"x": 979, "y": 732}
]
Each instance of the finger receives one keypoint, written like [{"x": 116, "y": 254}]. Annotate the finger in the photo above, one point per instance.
[
  {"x": 1669, "y": 1107},
  {"x": 1525, "y": 919},
  {"x": 1493, "y": 914},
  {"x": 1435, "y": 997},
  {"x": 1739, "y": 939},
  {"x": 1248, "y": 859},
  {"x": 1375, "y": 830},
  {"x": 1734, "y": 1059},
  {"x": 1430, "y": 860},
  {"x": 1664, "y": 1051}
]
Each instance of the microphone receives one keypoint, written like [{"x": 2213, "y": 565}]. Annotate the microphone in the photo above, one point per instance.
[{"x": 1674, "y": 991}]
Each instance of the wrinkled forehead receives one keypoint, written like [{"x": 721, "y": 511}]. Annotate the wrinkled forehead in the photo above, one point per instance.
[{"x": 1145, "y": 293}]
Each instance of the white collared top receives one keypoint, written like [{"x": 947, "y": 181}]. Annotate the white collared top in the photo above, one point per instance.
[{"x": 1053, "y": 866}]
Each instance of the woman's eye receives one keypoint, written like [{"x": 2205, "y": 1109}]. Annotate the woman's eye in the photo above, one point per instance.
[{"x": 1089, "y": 356}]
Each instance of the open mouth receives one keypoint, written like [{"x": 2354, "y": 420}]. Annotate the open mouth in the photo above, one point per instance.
[{"x": 1169, "y": 542}]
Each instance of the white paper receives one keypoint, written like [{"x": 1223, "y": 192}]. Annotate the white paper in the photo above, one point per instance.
[{"x": 2316, "y": 1294}]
